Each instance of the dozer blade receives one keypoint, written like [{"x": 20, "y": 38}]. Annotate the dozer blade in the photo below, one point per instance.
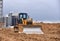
[{"x": 32, "y": 30}]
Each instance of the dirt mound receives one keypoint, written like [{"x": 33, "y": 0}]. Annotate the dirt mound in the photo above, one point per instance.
[{"x": 52, "y": 33}]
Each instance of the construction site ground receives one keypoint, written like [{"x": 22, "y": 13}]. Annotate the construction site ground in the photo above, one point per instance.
[{"x": 51, "y": 33}]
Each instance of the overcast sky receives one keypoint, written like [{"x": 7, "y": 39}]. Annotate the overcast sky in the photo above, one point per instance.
[{"x": 44, "y": 10}]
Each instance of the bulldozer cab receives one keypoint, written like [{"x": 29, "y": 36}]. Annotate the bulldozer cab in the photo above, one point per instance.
[{"x": 22, "y": 16}]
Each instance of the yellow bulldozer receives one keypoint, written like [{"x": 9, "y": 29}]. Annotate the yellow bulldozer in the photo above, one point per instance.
[{"x": 24, "y": 22}]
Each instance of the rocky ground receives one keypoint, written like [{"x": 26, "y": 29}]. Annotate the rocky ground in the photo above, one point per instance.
[{"x": 51, "y": 33}]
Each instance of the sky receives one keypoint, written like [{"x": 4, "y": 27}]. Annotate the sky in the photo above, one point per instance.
[{"x": 43, "y": 10}]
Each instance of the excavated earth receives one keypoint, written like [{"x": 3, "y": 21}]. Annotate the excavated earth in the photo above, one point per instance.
[{"x": 51, "y": 33}]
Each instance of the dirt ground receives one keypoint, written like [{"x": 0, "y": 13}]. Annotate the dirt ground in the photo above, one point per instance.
[{"x": 51, "y": 33}]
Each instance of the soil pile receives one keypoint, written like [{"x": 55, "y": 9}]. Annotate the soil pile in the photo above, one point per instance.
[{"x": 51, "y": 33}]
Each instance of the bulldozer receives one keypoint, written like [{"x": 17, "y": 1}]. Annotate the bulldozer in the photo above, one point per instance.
[{"x": 25, "y": 24}]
